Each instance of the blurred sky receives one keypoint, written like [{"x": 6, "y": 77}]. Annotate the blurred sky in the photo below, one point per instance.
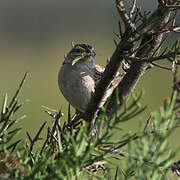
[{"x": 35, "y": 34}]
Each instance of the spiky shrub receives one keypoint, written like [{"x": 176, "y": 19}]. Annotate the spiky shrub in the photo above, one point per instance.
[{"x": 70, "y": 152}]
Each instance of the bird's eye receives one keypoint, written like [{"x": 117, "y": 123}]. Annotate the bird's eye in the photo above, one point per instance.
[{"x": 76, "y": 50}]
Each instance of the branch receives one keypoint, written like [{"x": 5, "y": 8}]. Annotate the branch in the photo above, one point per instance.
[
  {"x": 107, "y": 77},
  {"x": 156, "y": 22},
  {"x": 132, "y": 9},
  {"x": 151, "y": 59},
  {"x": 36, "y": 138},
  {"x": 129, "y": 81},
  {"x": 124, "y": 16},
  {"x": 161, "y": 67},
  {"x": 137, "y": 69}
]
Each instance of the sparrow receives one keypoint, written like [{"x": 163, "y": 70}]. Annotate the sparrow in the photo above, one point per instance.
[{"x": 79, "y": 76}]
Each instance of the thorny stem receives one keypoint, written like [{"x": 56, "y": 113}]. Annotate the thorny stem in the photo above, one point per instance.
[{"x": 147, "y": 32}]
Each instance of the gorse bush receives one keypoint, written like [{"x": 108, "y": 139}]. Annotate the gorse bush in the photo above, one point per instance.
[
  {"x": 84, "y": 147},
  {"x": 70, "y": 150}
]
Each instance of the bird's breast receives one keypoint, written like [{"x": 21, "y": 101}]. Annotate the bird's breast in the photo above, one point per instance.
[{"x": 77, "y": 85}]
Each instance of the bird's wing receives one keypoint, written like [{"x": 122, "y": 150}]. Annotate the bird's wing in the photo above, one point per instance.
[
  {"x": 97, "y": 76},
  {"x": 98, "y": 73}
]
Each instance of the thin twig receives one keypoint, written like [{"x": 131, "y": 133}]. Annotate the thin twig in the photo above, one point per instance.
[
  {"x": 160, "y": 66},
  {"x": 174, "y": 18},
  {"x": 164, "y": 51},
  {"x": 160, "y": 45},
  {"x": 147, "y": 123},
  {"x": 120, "y": 29},
  {"x": 36, "y": 138},
  {"x": 132, "y": 9},
  {"x": 141, "y": 46},
  {"x": 52, "y": 135},
  {"x": 18, "y": 90},
  {"x": 173, "y": 6},
  {"x": 150, "y": 59},
  {"x": 20, "y": 118},
  {"x": 124, "y": 16},
  {"x": 117, "y": 35},
  {"x": 115, "y": 42},
  {"x": 20, "y": 104},
  {"x": 136, "y": 15}
]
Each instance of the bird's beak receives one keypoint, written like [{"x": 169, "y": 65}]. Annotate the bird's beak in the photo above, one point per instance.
[
  {"x": 77, "y": 57},
  {"x": 81, "y": 56}
]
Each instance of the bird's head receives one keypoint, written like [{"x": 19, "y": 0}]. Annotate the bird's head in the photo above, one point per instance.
[{"x": 80, "y": 52}]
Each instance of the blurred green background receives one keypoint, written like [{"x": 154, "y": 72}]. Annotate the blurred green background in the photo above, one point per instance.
[{"x": 35, "y": 34}]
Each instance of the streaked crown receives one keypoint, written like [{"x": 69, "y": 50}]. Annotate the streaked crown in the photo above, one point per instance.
[
  {"x": 78, "y": 52},
  {"x": 80, "y": 49}
]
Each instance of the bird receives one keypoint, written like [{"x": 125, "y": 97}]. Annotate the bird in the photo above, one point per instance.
[{"x": 79, "y": 75}]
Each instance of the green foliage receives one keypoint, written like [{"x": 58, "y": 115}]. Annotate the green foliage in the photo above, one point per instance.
[
  {"x": 72, "y": 150},
  {"x": 149, "y": 157},
  {"x": 7, "y": 121}
]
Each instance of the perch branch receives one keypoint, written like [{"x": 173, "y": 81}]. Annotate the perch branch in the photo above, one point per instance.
[
  {"x": 137, "y": 69},
  {"x": 107, "y": 77},
  {"x": 155, "y": 23},
  {"x": 151, "y": 59},
  {"x": 124, "y": 16},
  {"x": 132, "y": 9}
]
